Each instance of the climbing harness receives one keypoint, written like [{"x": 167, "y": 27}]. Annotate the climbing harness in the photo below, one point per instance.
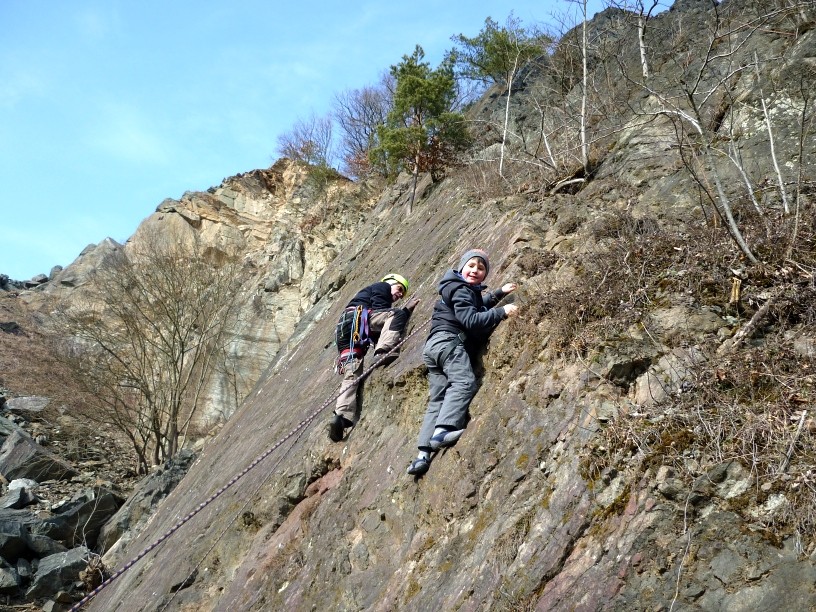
[
  {"x": 351, "y": 336},
  {"x": 298, "y": 428}
]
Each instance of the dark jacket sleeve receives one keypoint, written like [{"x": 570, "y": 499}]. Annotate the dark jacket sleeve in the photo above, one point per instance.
[
  {"x": 491, "y": 298},
  {"x": 469, "y": 316},
  {"x": 376, "y": 297}
]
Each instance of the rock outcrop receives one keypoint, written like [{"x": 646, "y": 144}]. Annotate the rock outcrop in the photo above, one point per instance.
[
  {"x": 284, "y": 230},
  {"x": 565, "y": 491},
  {"x": 641, "y": 437}
]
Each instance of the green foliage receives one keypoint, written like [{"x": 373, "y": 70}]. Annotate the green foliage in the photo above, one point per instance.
[
  {"x": 496, "y": 52},
  {"x": 420, "y": 91},
  {"x": 421, "y": 132}
]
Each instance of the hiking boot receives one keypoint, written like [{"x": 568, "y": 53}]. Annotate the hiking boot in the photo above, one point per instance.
[
  {"x": 336, "y": 427},
  {"x": 419, "y": 466},
  {"x": 443, "y": 438}
]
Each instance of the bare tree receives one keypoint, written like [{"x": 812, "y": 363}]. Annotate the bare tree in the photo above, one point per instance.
[
  {"x": 642, "y": 16},
  {"x": 769, "y": 127},
  {"x": 799, "y": 76},
  {"x": 701, "y": 100},
  {"x": 309, "y": 141},
  {"x": 577, "y": 104},
  {"x": 495, "y": 55},
  {"x": 146, "y": 337},
  {"x": 584, "y": 88},
  {"x": 358, "y": 112}
]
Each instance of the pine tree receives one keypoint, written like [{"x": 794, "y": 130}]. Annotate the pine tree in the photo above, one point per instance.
[{"x": 422, "y": 132}]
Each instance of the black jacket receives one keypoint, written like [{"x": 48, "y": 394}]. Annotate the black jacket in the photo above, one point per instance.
[
  {"x": 463, "y": 308},
  {"x": 376, "y": 297}
]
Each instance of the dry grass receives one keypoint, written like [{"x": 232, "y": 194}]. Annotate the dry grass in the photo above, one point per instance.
[
  {"x": 24, "y": 357},
  {"x": 748, "y": 409},
  {"x": 744, "y": 406}
]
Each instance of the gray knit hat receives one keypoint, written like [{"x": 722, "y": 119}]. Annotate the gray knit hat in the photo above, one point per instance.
[{"x": 470, "y": 255}]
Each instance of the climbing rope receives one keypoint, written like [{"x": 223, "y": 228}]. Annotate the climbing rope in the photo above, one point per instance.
[
  {"x": 299, "y": 427},
  {"x": 191, "y": 575}
]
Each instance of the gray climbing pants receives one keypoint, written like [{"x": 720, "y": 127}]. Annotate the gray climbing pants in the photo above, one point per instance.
[{"x": 452, "y": 385}]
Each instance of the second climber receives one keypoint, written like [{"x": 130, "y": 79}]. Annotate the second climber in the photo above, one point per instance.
[{"x": 368, "y": 319}]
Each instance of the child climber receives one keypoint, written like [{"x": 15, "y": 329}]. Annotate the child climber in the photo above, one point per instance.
[
  {"x": 462, "y": 321},
  {"x": 367, "y": 319}
]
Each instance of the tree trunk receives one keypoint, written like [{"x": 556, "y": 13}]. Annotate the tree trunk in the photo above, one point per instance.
[
  {"x": 725, "y": 204},
  {"x": 507, "y": 114},
  {"x": 585, "y": 78},
  {"x": 783, "y": 193},
  {"x": 641, "y": 29},
  {"x": 410, "y": 205}
]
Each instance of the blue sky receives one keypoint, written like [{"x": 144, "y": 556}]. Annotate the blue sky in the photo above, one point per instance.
[{"x": 107, "y": 107}]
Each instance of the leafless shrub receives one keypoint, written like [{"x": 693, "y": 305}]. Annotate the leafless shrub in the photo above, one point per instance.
[
  {"x": 746, "y": 408},
  {"x": 358, "y": 112},
  {"x": 309, "y": 140},
  {"x": 146, "y": 337},
  {"x": 27, "y": 363},
  {"x": 635, "y": 266},
  {"x": 512, "y": 597},
  {"x": 533, "y": 262},
  {"x": 749, "y": 406},
  {"x": 94, "y": 574},
  {"x": 508, "y": 544}
]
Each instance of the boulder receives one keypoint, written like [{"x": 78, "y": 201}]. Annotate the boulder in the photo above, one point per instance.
[
  {"x": 79, "y": 521},
  {"x": 9, "y": 580},
  {"x": 11, "y": 327},
  {"x": 58, "y": 571},
  {"x": 22, "y": 457},
  {"x": 43, "y": 546},
  {"x": 35, "y": 281},
  {"x": 29, "y": 404},
  {"x": 23, "y": 483},
  {"x": 23, "y": 568},
  {"x": 7, "y": 427},
  {"x": 17, "y": 498},
  {"x": 145, "y": 497},
  {"x": 13, "y": 540}
]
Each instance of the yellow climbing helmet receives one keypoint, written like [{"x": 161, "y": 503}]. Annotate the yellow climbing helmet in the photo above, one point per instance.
[{"x": 400, "y": 279}]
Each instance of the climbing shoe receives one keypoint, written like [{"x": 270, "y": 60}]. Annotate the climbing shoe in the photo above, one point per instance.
[
  {"x": 384, "y": 358},
  {"x": 443, "y": 438},
  {"x": 336, "y": 427},
  {"x": 419, "y": 466}
]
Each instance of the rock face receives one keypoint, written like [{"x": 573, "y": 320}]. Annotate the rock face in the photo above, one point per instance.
[
  {"x": 591, "y": 475},
  {"x": 118, "y": 531},
  {"x": 284, "y": 230}
]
